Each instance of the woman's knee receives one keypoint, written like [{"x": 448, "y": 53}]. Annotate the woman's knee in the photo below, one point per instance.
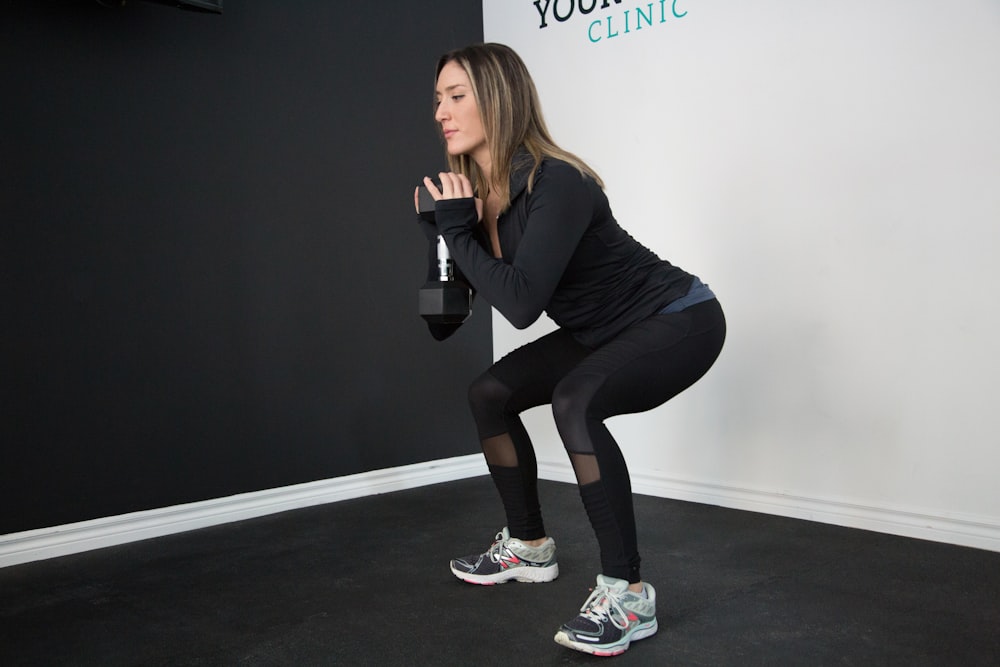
[
  {"x": 487, "y": 399},
  {"x": 570, "y": 404}
]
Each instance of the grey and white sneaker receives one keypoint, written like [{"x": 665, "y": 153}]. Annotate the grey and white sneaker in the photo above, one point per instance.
[
  {"x": 612, "y": 618},
  {"x": 509, "y": 558}
]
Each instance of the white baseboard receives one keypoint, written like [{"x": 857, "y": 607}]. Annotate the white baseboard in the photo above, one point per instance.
[
  {"x": 969, "y": 531},
  {"x": 16, "y": 548}
]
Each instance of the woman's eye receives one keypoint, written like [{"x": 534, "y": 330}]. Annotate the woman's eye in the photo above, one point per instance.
[{"x": 455, "y": 98}]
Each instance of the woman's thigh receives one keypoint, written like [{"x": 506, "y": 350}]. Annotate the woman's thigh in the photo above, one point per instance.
[
  {"x": 532, "y": 371},
  {"x": 651, "y": 362}
]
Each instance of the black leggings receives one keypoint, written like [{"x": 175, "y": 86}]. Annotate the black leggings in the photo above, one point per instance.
[{"x": 643, "y": 367}]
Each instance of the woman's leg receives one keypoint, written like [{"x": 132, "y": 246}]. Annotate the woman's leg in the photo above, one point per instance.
[
  {"x": 640, "y": 369},
  {"x": 523, "y": 379}
]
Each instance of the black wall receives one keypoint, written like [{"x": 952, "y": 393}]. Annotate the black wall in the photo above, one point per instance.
[{"x": 209, "y": 256}]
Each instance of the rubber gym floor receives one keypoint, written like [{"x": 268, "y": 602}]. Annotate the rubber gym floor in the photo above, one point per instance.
[{"x": 366, "y": 582}]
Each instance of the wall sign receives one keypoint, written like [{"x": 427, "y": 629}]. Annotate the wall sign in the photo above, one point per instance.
[{"x": 604, "y": 21}]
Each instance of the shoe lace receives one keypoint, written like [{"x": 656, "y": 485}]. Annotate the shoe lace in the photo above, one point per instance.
[
  {"x": 604, "y": 605},
  {"x": 494, "y": 550}
]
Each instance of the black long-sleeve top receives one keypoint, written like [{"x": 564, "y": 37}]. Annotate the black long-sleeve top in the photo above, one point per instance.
[{"x": 563, "y": 253}]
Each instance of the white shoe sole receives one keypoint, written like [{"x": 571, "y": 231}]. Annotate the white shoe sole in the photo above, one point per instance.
[
  {"x": 528, "y": 575},
  {"x": 605, "y": 650}
]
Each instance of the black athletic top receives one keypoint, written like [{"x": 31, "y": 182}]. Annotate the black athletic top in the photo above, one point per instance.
[{"x": 563, "y": 253}]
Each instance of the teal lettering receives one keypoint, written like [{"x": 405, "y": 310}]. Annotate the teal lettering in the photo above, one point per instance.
[
  {"x": 639, "y": 16},
  {"x": 644, "y": 14},
  {"x": 590, "y": 32}
]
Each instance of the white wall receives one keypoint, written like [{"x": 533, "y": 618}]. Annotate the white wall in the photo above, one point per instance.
[{"x": 832, "y": 170}]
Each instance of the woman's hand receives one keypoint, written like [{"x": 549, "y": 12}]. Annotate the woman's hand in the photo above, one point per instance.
[{"x": 453, "y": 186}]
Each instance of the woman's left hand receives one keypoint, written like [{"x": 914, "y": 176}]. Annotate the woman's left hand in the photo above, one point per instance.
[{"x": 453, "y": 186}]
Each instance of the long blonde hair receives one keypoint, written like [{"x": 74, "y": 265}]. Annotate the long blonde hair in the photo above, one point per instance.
[{"x": 511, "y": 116}]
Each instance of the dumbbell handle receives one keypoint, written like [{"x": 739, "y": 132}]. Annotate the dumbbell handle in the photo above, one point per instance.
[{"x": 446, "y": 267}]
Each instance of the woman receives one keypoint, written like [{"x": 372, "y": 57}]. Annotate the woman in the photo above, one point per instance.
[{"x": 530, "y": 228}]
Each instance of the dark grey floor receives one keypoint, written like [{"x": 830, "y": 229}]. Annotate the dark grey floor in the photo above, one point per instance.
[{"x": 366, "y": 582}]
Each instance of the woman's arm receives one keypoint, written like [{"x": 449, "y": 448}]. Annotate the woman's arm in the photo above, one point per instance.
[{"x": 559, "y": 210}]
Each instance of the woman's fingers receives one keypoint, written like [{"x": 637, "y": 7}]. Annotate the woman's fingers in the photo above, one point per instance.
[
  {"x": 447, "y": 184},
  {"x": 453, "y": 186},
  {"x": 432, "y": 188}
]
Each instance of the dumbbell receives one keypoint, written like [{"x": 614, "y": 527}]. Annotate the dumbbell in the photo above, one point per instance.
[{"x": 445, "y": 300}]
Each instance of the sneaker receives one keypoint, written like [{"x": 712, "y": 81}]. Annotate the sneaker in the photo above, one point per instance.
[
  {"x": 611, "y": 619},
  {"x": 509, "y": 558}
]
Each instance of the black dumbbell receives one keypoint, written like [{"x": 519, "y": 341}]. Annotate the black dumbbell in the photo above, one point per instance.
[{"x": 445, "y": 300}]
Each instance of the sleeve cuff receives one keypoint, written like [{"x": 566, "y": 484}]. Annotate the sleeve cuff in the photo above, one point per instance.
[{"x": 455, "y": 215}]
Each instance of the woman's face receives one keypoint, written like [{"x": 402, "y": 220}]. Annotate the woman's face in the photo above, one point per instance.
[{"x": 458, "y": 114}]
